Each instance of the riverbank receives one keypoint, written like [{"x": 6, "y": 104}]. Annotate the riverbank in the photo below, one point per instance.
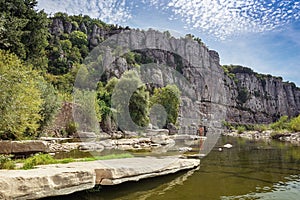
[
  {"x": 293, "y": 138},
  {"x": 62, "y": 179}
]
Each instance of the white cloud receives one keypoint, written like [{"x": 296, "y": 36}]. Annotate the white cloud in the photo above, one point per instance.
[
  {"x": 110, "y": 11},
  {"x": 226, "y": 18}
]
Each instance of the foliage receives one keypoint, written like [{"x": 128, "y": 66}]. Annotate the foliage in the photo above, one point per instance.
[
  {"x": 6, "y": 162},
  {"x": 109, "y": 157},
  {"x": 169, "y": 98},
  {"x": 241, "y": 129},
  {"x": 87, "y": 110},
  {"x": 295, "y": 124},
  {"x": 38, "y": 159},
  {"x": 130, "y": 96},
  {"x": 51, "y": 103},
  {"x": 104, "y": 101},
  {"x": 78, "y": 38},
  {"x": 71, "y": 128},
  {"x": 260, "y": 127},
  {"x": 281, "y": 124},
  {"x": 139, "y": 106},
  {"x": 20, "y": 98},
  {"x": 24, "y": 31},
  {"x": 192, "y": 37},
  {"x": 228, "y": 125},
  {"x": 46, "y": 159},
  {"x": 243, "y": 95}
]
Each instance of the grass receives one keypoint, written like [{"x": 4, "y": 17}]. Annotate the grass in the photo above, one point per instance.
[
  {"x": 46, "y": 159},
  {"x": 108, "y": 157}
]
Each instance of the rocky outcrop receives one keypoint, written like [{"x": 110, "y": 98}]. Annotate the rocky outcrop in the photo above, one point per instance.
[
  {"x": 212, "y": 96},
  {"x": 23, "y": 147},
  {"x": 62, "y": 179},
  {"x": 257, "y": 98}
]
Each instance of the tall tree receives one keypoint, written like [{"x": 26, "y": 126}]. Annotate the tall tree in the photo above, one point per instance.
[
  {"x": 131, "y": 101},
  {"x": 169, "y": 98},
  {"x": 24, "y": 31},
  {"x": 20, "y": 99}
]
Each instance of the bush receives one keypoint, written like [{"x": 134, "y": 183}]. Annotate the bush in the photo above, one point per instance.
[
  {"x": 295, "y": 124},
  {"x": 6, "y": 162},
  {"x": 228, "y": 125},
  {"x": 260, "y": 127},
  {"x": 38, "y": 159},
  {"x": 282, "y": 123},
  {"x": 241, "y": 129}
]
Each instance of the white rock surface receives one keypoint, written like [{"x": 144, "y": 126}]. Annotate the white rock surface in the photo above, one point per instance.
[{"x": 61, "y": 179}]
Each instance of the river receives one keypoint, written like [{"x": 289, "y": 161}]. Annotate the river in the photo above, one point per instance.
[{"x": 249, "y": 170}]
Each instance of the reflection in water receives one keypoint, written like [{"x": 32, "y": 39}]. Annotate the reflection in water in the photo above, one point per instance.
[
  {"x": 280, "y": 191},
  {"x": 160, "y": 190}
]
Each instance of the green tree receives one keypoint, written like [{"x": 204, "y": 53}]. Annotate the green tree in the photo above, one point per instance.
[
  {"x": 131, "y": 100},
  {"x": 24, "y": 31},
  {"x": 87, "y": 110},
  {"x": 104, "y": 94},
  {"x": 169, "y": 98},
  {"x": 51, "y": 103},
  {"x": 20, "y": 99},
  {"x": 78, "y": 38}
]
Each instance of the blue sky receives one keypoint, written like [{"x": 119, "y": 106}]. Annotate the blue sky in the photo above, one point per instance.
[{"x": 262, "y": 35}]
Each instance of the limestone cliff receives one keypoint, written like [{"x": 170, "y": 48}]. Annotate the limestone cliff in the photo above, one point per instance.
[
  {"x": 213, "y": 93},
  {"x": 258, "y": 98}
]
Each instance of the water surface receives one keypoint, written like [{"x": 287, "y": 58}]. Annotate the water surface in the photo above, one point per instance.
[{"x": 249, "y": 170}]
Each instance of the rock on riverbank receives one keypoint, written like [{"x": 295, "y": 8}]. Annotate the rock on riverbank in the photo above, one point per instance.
[
  {"x": 293, "y": 138},
  {"x": 62, "y": 179}
]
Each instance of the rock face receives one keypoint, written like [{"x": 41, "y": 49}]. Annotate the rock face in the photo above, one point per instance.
[
  {"x": 257, "y": 98},
  {"x": 210, "y": 95},
  {"x": 62, "y": 179}
]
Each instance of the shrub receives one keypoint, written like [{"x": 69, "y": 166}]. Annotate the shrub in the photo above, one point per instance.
[
  {"x": 241, "y": 129},
  {"x": 6, "y": 162},
  {"x": 260, "y": 127},
  {"x": 38, "y": 159},
  {"x": 282, "y": 123},
  {"x": 295, "y": 124}
]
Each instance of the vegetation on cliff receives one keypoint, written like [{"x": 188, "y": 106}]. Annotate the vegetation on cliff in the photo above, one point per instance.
[
  {"x": 40, "y": 58},
  {"x": 283, "y": 125}
]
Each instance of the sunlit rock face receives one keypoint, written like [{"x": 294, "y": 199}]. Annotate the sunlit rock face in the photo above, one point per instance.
[{"x": 209, "y": 96}]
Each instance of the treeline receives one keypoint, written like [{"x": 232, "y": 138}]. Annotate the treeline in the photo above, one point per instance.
[{"x": 38, "y": 70}]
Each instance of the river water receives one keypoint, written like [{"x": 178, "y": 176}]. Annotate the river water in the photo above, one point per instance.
[{"x": 249, "y": 170}]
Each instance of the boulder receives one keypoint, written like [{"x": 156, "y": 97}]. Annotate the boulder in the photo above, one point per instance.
[
  {"x": 82, "y": 134},
  {"x": 91, "y": 146},
  {"x": 172, "y": 129},
  {"x": 23, "y": 147},
  {"x": 162, "y": 139},
  {"x": 153, "y": 132}
]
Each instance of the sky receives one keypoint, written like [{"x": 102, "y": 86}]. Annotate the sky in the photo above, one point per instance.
[{"x": 262, "y": 35}]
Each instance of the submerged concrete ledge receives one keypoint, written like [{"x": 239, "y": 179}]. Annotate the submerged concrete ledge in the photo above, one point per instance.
[{"x": 62, "y": 179}]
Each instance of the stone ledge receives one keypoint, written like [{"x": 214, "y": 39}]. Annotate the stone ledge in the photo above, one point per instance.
[{"x": 62, "y": 179}]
